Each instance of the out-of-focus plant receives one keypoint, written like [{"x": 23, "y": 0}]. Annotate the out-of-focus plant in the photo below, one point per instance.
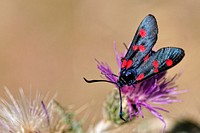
[{"x": 41, "y": 114}]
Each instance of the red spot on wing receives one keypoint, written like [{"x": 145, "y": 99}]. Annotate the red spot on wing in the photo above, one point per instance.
[
  {"x": 129, "y": 64},
  {"x": 142, "y": 48},
  {"x": 135, "y": 47},
  {"x": 124, "y": 64},
  {"x": 142, "y": 33},
  {"x": 140, "y": 77},
  {"x": 156, "y": 70},
  {"x": 155, "y": 63},
  {"x": 169, "y": 62},
  {"x": 146, "y": 57}
]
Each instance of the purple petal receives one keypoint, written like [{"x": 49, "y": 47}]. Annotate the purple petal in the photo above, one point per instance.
[
  {"x": 106, "y": 71},
  {"x": 140, "y": 111},
  {"x": 155, "y": 113},
  {"x": 118, "y": 58},
  {"x": 178, "y": 92},
  {"x": 45, "y": 111},
  {"x": 161, "y": 109}
]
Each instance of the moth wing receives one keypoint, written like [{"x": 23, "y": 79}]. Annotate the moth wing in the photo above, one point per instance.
[
  {"x": 143, "y": 42},
  {"x": 160, "y": 61}
]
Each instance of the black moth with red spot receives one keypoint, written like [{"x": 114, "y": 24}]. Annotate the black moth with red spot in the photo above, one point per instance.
[{"x": 140, "y": 61}]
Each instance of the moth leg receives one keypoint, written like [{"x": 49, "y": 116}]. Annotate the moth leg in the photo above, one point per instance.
[
  {"x": 110, "y": 74},
  {"x": 133, "y": 85},
  {"x": 115, "y": 75},
  {"x": 125, "y": 46},
  {"x": 121, "y": 112}
]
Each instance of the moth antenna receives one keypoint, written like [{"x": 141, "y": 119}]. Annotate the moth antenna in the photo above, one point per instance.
[{"x": 93, "y": 81}]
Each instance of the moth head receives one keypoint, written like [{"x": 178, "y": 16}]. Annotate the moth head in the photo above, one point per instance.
[{"x": 127, "y": 77}]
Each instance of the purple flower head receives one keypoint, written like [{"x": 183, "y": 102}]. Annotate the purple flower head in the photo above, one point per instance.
[{"x": 148, "y": 93}]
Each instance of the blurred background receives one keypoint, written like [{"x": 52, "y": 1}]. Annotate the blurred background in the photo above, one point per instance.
[{"x": 50, "y": 45}]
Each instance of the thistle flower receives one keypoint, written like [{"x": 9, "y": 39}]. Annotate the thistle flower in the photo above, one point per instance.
[
  {"x": 154, "y": 90},
  {"x": 26, "y": 115},
  {"x": 111, "y": 108}
]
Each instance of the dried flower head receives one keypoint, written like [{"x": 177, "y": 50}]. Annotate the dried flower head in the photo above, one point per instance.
[
  {"x": 26, "y": 115},
  {"x": 155, "y": 90}
]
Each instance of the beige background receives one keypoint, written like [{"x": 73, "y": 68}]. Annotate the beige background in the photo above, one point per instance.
[{"x": 51, "y": 44}]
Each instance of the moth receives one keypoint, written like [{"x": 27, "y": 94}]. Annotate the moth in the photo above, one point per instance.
[{"x": 141, "y": 62}]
